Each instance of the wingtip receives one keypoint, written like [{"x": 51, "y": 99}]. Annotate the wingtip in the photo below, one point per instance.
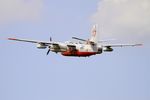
[
  {"x": 139, "y": 44},
  {"x": 11, "y": 38}
]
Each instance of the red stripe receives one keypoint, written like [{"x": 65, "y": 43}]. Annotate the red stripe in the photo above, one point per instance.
[{"x": 78, "y": 53}]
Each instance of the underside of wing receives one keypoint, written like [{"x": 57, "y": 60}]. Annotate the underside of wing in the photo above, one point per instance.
[
  {"x": 109, "y": 47},
  {"x": 121, "y": 45}
]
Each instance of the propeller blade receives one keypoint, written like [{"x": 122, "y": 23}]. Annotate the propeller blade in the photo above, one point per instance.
[
  {"x": 50, "y": 39},
  {"x": 48, "y": 51}
]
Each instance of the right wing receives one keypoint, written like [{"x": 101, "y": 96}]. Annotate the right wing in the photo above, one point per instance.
[
  {"x": 56, "y": 46},
  {"x": 30, "y": 41}
]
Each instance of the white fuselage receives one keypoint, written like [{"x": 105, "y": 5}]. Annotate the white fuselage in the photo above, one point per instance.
[{"x": 80, "y": 49}]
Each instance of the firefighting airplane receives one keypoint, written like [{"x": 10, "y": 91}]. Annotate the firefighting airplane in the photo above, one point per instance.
[{"x": 84, "y": 48}]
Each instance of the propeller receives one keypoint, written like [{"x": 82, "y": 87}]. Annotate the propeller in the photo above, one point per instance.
[
  {"x": 48, "y": 51},
  {"x": 50, "y": 39},
  {"x": 49, "y": 48}
]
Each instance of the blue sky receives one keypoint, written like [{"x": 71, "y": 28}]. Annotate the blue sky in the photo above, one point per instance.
[{"x": 26, "y": 73}]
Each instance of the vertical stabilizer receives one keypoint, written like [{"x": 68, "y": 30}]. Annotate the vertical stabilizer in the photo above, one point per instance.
[{"x": 94, "y": 33}]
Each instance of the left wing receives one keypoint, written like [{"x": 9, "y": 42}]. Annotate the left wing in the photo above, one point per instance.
[
  {"x": 122, "y": 45},
  {"x": 109, "y": 47}
]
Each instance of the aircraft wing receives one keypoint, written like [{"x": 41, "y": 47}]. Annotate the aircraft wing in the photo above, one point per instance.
[
  {"x": 56, "y": 45},
  {"x": 31, "y": 41},
  {"x": 121, "y": 45}
]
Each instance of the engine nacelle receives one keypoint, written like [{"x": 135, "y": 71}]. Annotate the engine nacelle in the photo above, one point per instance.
[
  {"x": 100, "y": 50},
  {"x": 107, "y": 49},
  {"x": 59, "y": 48},
  {"x": 41, "y": 46}
]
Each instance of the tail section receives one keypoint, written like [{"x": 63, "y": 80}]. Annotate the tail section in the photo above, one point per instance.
[
  {"x": 94, "y": 36},
  {"x": 94, "y": 33}
]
